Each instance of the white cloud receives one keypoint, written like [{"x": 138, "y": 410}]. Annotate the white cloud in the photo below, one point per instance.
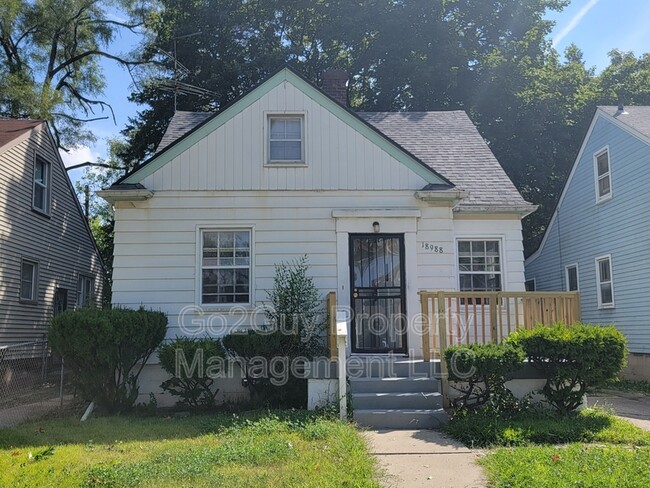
[
  {"x": 78, "y": 155},
  {"x": 575, "y": 20}
]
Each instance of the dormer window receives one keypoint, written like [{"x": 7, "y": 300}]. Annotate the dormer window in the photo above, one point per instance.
[
  {"x": 286, "y": 144},
  {"x": 603, "y": 175},
  {"x": 42, "y": 184}
]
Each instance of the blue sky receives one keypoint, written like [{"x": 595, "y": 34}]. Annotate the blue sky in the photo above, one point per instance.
[{"x": 596, "y": 26}]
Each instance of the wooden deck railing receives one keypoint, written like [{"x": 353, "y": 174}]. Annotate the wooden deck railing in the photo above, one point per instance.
[
  {"x": 331, "y": 325},
  {"x": 455, "y": 318}
]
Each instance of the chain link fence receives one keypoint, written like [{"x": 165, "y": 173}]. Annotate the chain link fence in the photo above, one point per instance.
[{"x": 32, "y": 382}]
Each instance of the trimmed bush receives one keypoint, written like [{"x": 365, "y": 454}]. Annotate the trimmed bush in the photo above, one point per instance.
[
  {"x": 572, "y": 359},
  {"x": 106, "y": 351},
  {"x": 481, "y": 370},
  {"x": 193, "y": 364}
]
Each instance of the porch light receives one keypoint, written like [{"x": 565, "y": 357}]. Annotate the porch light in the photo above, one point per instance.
[{"x": 375, "y": 227}]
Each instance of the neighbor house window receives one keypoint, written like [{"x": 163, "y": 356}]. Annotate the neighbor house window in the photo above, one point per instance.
[
  {"x": 85, "y": 291},
  {"x": 605, "y": 282},
  {"x": 603, "y": 175},
  {"x": 530, "y": 285},
  {"x": 225, "y": 266},
  {"x": 479, "y": 265},
  {"x": 28, "y": 281},
  {"x": 286, "y": 139},
  {"x": 572, "y": 277},
  {"x": 41, "y": 192}
]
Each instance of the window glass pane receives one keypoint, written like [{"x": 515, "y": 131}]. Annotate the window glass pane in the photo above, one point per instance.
[
  {"x": 479, "y": 282},
  {"x": 242, "y": 239},
  {"x": 27, "y": 275},
  {"x": 465, "y": 282},
  {"x": 463, "y": 247},
  {"x": 278, "y": 129},
  {"x": 572, "y": 275},
  {"x": 492, "y": 248},
  {"x": 224, "y": 283},
  {"x": 603, "y": 163},
  {"x": 39, "y": 197},
  {"x": 603, "y": 267},
  {"x": 286, "y": 150},
  {"x": 530, "y": 285},
  {"x": 478, "y": 247},
  {"x": 603, "y": 186},
  {"x": 293, "y": 129},
  {"x": 39, "y": 172},
  {"x": 606, "y": 293}
]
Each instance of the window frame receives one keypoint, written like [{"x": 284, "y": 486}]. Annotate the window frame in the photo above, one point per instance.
[
  {"x": 33, "y": 299},
  {"x": 533, "y": 281},
  {"x": 599, "y": 282},
  {"x": 608, "y": 174},
  {"x": 566, "y": 277},
  {"x": 236, "y": 227},
  {"x": 82, "y": 277},
  {"x": 502, "y": 272},
  {"x": 47, "y": 187},
  {"x": 268, "y": 117}
]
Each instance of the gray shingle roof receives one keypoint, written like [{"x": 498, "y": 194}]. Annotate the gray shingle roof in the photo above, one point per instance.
[
  {"x": 181, "y": 123},
  {"x": 450, "y": 143},
  {"x": 637, "y": 117}
]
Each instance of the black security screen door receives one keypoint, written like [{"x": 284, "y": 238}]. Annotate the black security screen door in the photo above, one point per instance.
[{"x": 377, "y": 284}]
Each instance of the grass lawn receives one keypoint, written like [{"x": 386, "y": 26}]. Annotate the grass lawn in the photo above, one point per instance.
[{"x": 275, "y": 449}]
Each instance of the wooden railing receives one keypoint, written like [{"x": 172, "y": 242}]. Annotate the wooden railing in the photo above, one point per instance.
[
  {"x": 331, "y": 325},
  {"x": 455, "y": 318}
]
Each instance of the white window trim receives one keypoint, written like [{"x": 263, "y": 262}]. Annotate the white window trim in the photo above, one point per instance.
[
  {"x": 48, "y": 187},
  {"x": 266, "y": 143},
  {"x": 500, "y": 238},
  {"x": 36, "y": 276},
  {"x": 566, "y": 276},
  {"x": 92, "y": 280},
  {"x": 607, "y": 197},
  {"x": 602, "y": 305},
  {"x": 198, "y": 290}
]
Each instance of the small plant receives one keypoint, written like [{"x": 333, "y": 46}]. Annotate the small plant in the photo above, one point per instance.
[
  {"x": 572, "y": 359},
  {"x": 106, "y": 351},
  {"x": 193, "y": 364},
  {"x": 480, "y": 371}
]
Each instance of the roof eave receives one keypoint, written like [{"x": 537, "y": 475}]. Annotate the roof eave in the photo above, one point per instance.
[
  {"x": 453, "y": 196},
  {"x": 523, "y": 210},
  {"x": 134, "y": 195}
]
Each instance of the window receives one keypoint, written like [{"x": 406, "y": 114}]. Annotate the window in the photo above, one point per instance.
[
  {"x": 28, "y": 281},
  {"x": 85, "y": 291},
  {"x": 479, "y": 265},
  {"x": 286, "y": 144},
  {"x": 605, "y": 282},
  {"x": 225, "y": 266},
  {"x": 572, "y": 278},
  {"x": 41, "y": 193},
  {"x": 603, "y": 176},
  {"x": 530, "y": 285}
]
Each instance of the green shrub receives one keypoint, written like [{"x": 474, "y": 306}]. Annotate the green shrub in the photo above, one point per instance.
[
  {"x": 193, "y": 364},
  {"x": 106, "y": 350},
  {"x": 481, "y": 371},
  {"x": 572, "y": 359}
]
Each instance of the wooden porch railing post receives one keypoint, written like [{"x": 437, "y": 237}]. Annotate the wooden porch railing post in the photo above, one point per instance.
[
  {"x": 331, "y": 315},
  {"x": 576, "y": 307},
  {"x": 442, "y": 333},
  {"x": 494, "y": 335},
  {"x": 426, "y": 320}
]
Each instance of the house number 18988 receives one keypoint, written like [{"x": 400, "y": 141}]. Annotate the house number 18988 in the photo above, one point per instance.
[{"x": 427, "y": 246}]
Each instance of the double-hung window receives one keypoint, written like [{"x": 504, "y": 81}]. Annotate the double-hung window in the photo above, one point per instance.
[
  {"x": 479, "y": 265},
  {"x": 572, "y": 278},
  {"x": 605, "y": 282},
  {"x": 286, "y": 142},
  {"x": 603, "y": 175},
  {"x": 225, "y": 266},
  {"x": 28, "y": 281},
  {"x": 85, "y": 289},
  {"x": 42, "y": 184}
]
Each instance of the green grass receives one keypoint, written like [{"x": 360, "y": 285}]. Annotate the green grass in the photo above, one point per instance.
[
  {"x": 482, "y": 430},
  {"x": 574, "y": 465},
  {"x": 258, "y": 449}
]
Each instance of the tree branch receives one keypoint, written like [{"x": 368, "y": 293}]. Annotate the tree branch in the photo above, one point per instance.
[
  {"x": 96, "y": 52},
  {"x": 75, "y": 119}
]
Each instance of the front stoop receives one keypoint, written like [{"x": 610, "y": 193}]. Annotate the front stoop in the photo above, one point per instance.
[{"x": 407, "y": 399}]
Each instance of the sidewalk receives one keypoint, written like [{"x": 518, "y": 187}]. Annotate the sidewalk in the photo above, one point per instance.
[
  {"x": 633, "y": 407},
  {"x": 425, "y": 458}
]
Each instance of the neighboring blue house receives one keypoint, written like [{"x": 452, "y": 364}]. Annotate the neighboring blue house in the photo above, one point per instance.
[{"x": 598, "y": 240}]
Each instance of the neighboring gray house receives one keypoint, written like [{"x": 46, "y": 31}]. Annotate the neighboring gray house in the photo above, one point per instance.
[
  {"x": 48, "y": 258},
  {"x": 598, "y": 239}
]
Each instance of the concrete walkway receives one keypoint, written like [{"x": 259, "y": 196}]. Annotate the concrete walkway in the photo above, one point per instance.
[
  {"x": 425, "y": 458},
  {"x": 633, "y": 407}
]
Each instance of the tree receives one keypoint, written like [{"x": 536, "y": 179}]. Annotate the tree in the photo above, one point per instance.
[{"x": 50, "y": 53}]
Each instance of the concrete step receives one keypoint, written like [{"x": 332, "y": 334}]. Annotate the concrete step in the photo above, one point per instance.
[
  {"x": 401, "y": 418},
  {"x": 387, "y": 401},
  {"x": 378, "y": 367},
  {"x": 394, "y": 385}
]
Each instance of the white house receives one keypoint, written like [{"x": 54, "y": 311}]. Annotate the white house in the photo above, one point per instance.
[{"x": 383, "y": 204}]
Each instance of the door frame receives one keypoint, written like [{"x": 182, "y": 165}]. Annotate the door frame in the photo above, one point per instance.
[{"x": 403, "y": 301}]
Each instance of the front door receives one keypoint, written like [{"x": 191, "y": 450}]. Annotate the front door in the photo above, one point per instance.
[
  {"x": 60, "y": 301},
  {"x": 378, "y": 298}
]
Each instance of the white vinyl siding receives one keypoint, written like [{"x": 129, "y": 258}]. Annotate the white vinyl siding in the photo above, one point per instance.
[
  {"x": 605, "y": 282},
  {"x": 286, "y": 143},
  {"x": 29, "y": 281},
  {"x": 85, "y": 289},
  {"x": 225, "y": 266},
  {"x": 603, "y": 175},
  {"x": 41, "y": 191},
  {"x": 572, "y": 280},
  {"x": 479, "y": 265}
]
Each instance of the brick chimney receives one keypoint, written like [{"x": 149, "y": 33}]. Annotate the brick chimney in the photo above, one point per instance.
[{"x": 335, "y": 84}]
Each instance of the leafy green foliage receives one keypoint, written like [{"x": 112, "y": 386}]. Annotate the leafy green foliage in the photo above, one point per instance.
[
  {"x": 572, "y": 359},
  {"x": 193, "y": 364},
  {"x": 481, "y": 370},
  {"x": 482, "y": 428},
  {"x": 106, "y": 350}
]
